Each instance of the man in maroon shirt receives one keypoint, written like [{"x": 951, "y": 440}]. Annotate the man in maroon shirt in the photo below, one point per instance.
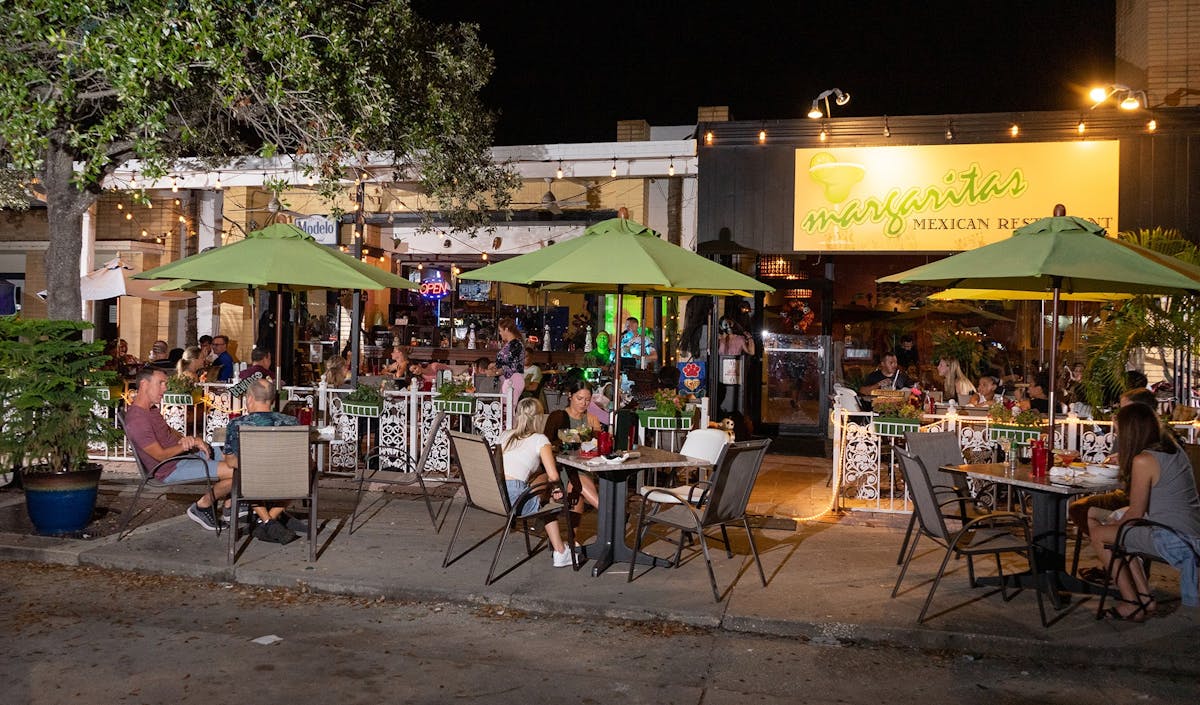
[{"x": 154, "y": 441}]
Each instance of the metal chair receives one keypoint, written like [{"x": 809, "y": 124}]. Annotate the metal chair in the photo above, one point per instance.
[
  {"x": 706, "y": 444},
  {"x": 1187, "y": 561},
  {"x": 483, "y": 485},
  {"x": 724, "y": 503},
  {"x": 991, "y": 534},
  {"x": 273, "y": 465},
  {"x": 148, "y": 478},
  {"x": 935, "y": 450}
]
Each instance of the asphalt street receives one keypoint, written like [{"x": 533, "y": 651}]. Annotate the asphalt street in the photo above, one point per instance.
[{"x": 91, "y": 635}]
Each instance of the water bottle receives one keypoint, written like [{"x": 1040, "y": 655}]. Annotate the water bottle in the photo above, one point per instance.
[{"x": 1013, "y": 449}]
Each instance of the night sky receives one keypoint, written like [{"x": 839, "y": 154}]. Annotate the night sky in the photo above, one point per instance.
[{"x": 567, "y": 72}]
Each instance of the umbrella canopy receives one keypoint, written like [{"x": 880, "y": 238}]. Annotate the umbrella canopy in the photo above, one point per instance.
[
  {"x": 279, "y": 255},
  {"x": 619, "y": 252},
  {"x": 949, "y": 310},
  {"x": 1059, "y": 254},
  {"x": 1001, "y": 295},
  {"x": 115, "y": 279},
  {"x": 622, "y": 256},
  {"x": 1063, "y": 252}
]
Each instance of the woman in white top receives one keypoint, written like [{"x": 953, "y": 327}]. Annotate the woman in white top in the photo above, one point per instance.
[
  {"x": 955, "y": 383},
  {"x": 526, "y": 453}
]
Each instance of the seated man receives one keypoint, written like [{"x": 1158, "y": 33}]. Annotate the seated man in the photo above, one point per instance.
[
  {"x": 154, "y": 441},
  {"x": 274, "y": 524},
  {"x": 261, "y": 365},
  {"x": 886, "y": 376}
]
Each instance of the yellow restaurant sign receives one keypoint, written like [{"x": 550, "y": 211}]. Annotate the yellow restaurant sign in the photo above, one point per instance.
[{"x": 946, "y": 197}]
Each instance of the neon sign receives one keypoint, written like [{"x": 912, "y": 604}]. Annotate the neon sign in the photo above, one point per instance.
[{"x": 435, "y": 288}]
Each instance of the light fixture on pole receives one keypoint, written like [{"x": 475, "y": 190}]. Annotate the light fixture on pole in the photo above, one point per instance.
[
  {"x": 840, "y": 97},
  {"x": 1127, "y": 98}
]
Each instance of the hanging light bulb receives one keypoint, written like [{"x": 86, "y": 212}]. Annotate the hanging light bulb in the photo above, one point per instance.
[
  {"x": 420, "y": 267},
  {"x": 1152, "y": 125},
  {"x": 182, "y": 219},
  {"x": 217, "y": 185},
  {"x": 613, "y": 173},
  {"x": 762, "y": 136},
  {"x": 149, "y": 204},
  {"x": 824, "y": 134},
  {"x": 558, "y": 174},
  {"x": 177, "y": 201},
  {"x": 483, "y": 256},
  {"x": 129, "y": 216},
  {"x": 887, "y": 129},
  {"x": 708, "y": 137},
  {"x": 671, "y": 167},
  {"x": 1015, "y": 130},
  {"x": 1081, "y": 127},
  {"x": 133, "y": 180},
  {"x": 120, "y": 206},
  {"x": 145, "y": 233},
  {"x": 174, "y": 184}
]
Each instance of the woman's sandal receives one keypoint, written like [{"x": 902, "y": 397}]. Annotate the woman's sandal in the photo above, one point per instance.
[
  {"x": 1113, "y": 613},
  {"x": 1145, "y": 608}
]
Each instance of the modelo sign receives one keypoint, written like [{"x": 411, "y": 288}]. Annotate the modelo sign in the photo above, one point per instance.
[
  {"x": 322, "y": 229},
  {"x": 939, "y": 198}
]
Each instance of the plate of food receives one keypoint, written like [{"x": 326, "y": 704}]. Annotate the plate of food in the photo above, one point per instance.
[{"x": 1105, "y": 470}]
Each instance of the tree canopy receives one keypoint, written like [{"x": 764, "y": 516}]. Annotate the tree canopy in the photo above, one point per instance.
[{"x": 87, "y": 86}]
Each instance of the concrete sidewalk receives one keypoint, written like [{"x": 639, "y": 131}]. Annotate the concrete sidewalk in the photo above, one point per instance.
[{"x": 828, "y": 581}]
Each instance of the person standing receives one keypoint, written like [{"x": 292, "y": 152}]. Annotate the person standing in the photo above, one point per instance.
[
  {"x": 223, "y": 360},
  {"x": 510, "y": 361},
  {"x": 636, "y": 345}
]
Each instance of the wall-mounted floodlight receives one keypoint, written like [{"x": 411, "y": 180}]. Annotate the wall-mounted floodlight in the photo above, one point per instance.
[{"x": 839, "y": 96}]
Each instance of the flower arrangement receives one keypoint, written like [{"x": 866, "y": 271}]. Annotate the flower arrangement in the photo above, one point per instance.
[
  {"x": 896, "y": 408},
  {"x": 667, "y": 402},
  {"x": 999, "y": 413},
  {"x": 452, "y": 391},
  {"x": 364, "y": 395}
]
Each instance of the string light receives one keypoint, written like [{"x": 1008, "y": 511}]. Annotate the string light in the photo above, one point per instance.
[
  {"x": 129, "y": 216},
  {"x": 762, "y": 136},
  {"x": 671, "y": 167},
  {"x": 887, "y": 129},
  {"x": 182, "y": 219},
  {"x": 174, "y": 184},
  {"x": 558, "y": 174},
  {"x": 708, "y": 137},
  {"x": 824, "y": 134},
  {"x": 1081, "y": 127},
  {"x": 613, "y": 173},
  {"x": 120, "y": 206},
  {"x": 133, "y": 180},
  {"x": 177, "y": 201},
  {"x": 217, "y": 186},
  {"x": 1015, "y": 130},
  {"x": 483, "y": 256},
  {"x": 1152, "y": 125}
]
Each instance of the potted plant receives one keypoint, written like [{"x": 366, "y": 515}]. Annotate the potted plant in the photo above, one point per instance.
[
  {"x": 666, "y": 413},
  {"x": 1004, "y": 425},
  {"x": 895, "y": 417},
  {"x": 450, "y": 398},
  {"x": 50, "y": 382},
  {"x": 181, "y": 390},
  {"x": 363, "y": 401}
]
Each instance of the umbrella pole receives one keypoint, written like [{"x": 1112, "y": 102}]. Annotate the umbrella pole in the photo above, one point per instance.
[
  {"x": 1053, "y": 357},
  {"x": 617, "y": 363},
  {"x": 278, "y": 334}
]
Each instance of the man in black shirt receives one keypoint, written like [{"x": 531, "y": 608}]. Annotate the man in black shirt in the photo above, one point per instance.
[{"x": 887, "y": 376}]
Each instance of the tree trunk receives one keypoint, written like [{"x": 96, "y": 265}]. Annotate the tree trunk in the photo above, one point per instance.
[{"x": 65, "y": 206}]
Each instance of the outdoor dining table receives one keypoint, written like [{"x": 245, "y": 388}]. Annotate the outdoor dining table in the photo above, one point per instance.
[
  {"x": 1050, "y": 498},
  {"x": 613, "y": 485}
]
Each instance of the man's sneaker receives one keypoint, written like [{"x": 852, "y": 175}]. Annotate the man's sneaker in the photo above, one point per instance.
[
  {"x": 291, "y": 523},
  {"x": 243, "y": 513},
  {"x": 204, "y": 516},
  {"x": 562, "y": 559},
  {"x": 273, "y": 532}
]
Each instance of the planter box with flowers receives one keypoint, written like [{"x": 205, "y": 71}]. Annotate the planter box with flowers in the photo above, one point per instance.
[
  {"x": 896, "y": 417},
  {"x": 1023, "y": 427},
  {"x": 668, "y": 413},
  {"x": 451, "y": 399},
  {"x": 365, "y": 401}
]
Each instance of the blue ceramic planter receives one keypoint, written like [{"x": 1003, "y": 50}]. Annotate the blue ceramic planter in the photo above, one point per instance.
[{"x": 61, "y": 502}]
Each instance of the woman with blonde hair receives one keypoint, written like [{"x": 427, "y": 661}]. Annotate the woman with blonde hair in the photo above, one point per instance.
[
  {"x": 527, "y": 452},
  {"x": 955, "y": 384},
  {"x": 190, "y": 364},
  {"x": 336, "y": 373}
]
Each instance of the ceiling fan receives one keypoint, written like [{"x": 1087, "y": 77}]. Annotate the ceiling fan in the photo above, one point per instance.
[
  {"x": 553, "y": 204},
  {"x": 275, "y": 209}
]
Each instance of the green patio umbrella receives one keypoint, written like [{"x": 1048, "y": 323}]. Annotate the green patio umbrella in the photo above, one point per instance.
[
  {"x": 280, "y": 256},
  {"x": 620, "y": 256},
  {"x": 949, "y": 310},
  {"x": 1055, "y": 255},
  {"x": 1001, "y": 295}
]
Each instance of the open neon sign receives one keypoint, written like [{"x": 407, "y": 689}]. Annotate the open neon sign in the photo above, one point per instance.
[{"x": 436, "y": 288}]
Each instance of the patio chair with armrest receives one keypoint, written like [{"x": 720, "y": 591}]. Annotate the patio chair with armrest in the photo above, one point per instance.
[
  {"x": 274, "y": 465},
  {"x": 1186, "y": 560},
  {"x": 724, "y": 503},
  {"x": 936, "y": 449},
  {"x": 483, "y": 485},
  {"x": 706, "y": 444},
  {"x": 991, "y": 534},
  {"x": 148, "y": 478}
]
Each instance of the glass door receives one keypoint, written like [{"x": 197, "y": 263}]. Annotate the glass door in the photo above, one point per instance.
[{"x": 793, "y": 388}]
